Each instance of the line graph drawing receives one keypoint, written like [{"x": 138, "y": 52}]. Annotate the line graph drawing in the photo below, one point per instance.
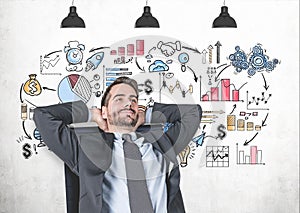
[
  {"x": 163, "y": 84},
  {"x": 46, "y": 64},
  {"x": 217, "y": 156},
  {"x": 258, "y": 101}
]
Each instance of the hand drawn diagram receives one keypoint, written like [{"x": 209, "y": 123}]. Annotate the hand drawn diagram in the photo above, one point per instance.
[{"x": 233, "y": 90}]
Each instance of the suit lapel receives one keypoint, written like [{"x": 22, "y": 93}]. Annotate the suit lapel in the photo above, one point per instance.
[
  {"x": 97, "y": 146},
  {"x": 160, "y": 142}
]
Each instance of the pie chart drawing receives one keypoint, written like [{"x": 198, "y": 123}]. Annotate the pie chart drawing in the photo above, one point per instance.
[{"x": 74, "y": 88}]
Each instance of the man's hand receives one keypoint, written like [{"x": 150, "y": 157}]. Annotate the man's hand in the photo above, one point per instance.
[
  {"x": 141, "y": 117},
  {"x": 97, "y": 117}
]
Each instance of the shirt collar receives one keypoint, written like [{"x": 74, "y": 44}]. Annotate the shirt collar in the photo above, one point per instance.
[{"x": 137, "y": 140}]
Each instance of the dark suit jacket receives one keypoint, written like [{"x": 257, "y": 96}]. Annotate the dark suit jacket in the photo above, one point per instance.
[{"x": 89, "y": 153}]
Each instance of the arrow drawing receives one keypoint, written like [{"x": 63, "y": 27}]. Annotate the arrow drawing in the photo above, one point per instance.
[
  {"x": 216, "y": 78},
  {"x": 221, "y": 65},
  {"x": 27, "y": 135},
  {"x": 47, "y": 55},
  {"x": 234, "y": 107},
  {"x": 21, "y": 93},
  {"x": 195, "y": 50},
  {"x": 210, "y": 47},
  {"x": 195, "y": 77},
  {"x": 51, "y": 62},
  {"x": 137, "y": 64},
  {"x": 218, "y": 44},
  {"x": 99, "y": 48},
  {"x": 247, "y": 142},
  {"x": 264, "y": 121},
  {"x": 265, "y": 82},
  {"x": 46, "y": 88},
  {"x": 215, "y": 112},
  {"x": 204, "y": 56}
]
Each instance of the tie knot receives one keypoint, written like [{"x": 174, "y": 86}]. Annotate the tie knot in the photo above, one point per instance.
[{"x": 127, "y": 137}]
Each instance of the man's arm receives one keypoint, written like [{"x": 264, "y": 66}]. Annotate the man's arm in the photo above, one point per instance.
[
  {"x": 52, "y": 121},
  {"x": 184, "y": 120}
]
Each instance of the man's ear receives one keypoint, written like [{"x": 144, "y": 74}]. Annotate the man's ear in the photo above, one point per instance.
[{"x": 104, "y": 112}]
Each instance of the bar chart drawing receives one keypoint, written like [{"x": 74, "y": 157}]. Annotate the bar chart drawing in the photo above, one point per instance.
[
  {"x": 254, "y": 158},
  {"x": 217, "y": 156},
  {"x": 130, "y": 50},
  {"x": 113, "y": 73},
  {"x": 223, "y": 92}
]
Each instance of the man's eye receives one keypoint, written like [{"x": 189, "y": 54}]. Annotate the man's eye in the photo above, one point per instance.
[
  {"x": 133, "y": 100},
  {"x": 118, "y": 99}
]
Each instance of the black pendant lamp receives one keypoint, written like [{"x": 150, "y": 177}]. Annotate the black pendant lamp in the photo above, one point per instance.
[
  {"x": 146, "y": 20},
  {"x": 72, "y": 20},
  {"x": 224, "y": 19}
]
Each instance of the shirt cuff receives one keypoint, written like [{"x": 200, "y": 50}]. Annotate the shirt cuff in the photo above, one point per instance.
[
  {"x": 148, "y": 115},
  {"x": 90, "y": 114}
]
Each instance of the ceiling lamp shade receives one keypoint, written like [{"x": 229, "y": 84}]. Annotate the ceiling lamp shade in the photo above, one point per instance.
[
  {"x": 72, "y": 20},
  {"x": 146, "y": 20},
  {"x": 224, "y": 19}
]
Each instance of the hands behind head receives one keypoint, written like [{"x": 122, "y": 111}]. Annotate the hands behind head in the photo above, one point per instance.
[
  {"x": 97, "y": 117},
  {"x": 141, "y": 117}
]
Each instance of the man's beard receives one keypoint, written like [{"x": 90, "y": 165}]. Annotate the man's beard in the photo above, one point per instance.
[{"x": 116, "y": 120}]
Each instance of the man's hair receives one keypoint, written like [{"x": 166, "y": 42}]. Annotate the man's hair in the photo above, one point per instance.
[{"x": 121, "y": 80}]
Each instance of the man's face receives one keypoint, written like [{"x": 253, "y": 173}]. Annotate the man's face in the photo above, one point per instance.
[{"x": 122, "y": 108}]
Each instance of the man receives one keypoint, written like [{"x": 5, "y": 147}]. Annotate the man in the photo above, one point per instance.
[{"x": 109, "y": 180}]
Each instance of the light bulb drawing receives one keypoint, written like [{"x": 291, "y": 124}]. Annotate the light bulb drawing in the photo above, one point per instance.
[
  {"x": 183, "y": 58},
  {"x": 183, "y": 156}
]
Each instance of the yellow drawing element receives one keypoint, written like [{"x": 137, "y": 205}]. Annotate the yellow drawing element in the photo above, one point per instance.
[
  {"x": 24, "y": 111},
  {"x": 257, "y": 127},
  {"x": 250, "y": 126},
  {"x": 183, "y": 155},
  {"x": 32, "y": 86},
  {"x": 240, "y": 125},
  {"x": 230, "y": 122}
]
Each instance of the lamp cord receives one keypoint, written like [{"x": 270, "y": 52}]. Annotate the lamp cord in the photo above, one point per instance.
[
  {"x": 73, "y": 3},
  {"x": 224, "y": 2}
]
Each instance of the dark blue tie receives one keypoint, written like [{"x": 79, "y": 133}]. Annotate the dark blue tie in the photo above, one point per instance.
[{"x": 139, "y": 198}]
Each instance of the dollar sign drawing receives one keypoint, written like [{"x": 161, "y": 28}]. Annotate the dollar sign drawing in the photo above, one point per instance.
[
  {"x": 149, "y": 88},
  {"x": 32, "y": 86},
  {"x": 221, "y": 129},
  {"x": 27, "y": 152}
]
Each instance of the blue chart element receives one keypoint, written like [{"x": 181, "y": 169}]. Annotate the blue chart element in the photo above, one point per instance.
[
  {"x": 258, "y": 61},
  {"x": 199, "y": 139},
  {"x": 158, "y": 66},
  {"x": 74, "y": 88},
  {"x": 94, "y": 61}
]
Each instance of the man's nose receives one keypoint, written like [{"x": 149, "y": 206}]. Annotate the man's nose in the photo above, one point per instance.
[{"x": 127, "y": 103}]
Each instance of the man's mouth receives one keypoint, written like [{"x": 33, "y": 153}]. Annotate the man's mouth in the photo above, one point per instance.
[{"x": 128, "y": 111}]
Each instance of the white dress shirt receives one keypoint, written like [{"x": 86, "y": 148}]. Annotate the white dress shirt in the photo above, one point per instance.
[{"x": 115, "y": 191}]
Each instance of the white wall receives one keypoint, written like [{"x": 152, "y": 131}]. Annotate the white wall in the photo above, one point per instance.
[{"x": 30, "y": 28}]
